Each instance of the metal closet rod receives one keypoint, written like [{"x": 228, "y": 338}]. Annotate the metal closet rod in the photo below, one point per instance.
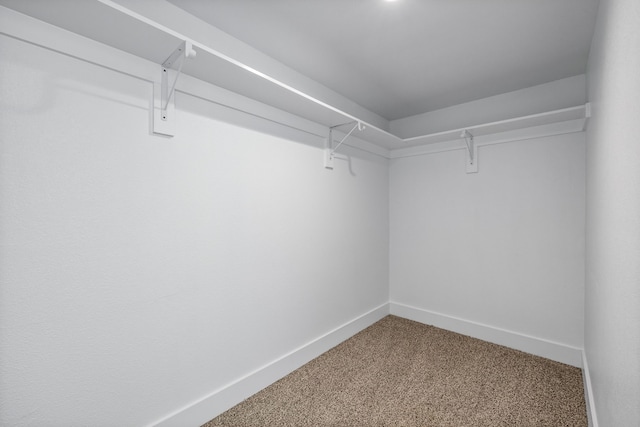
[
  {"x": 126, "y": 11},
  {"x": 260, "y": 74}
]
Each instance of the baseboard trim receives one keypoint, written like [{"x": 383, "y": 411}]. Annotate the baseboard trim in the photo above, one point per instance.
[
  {"x": 588, "y": 392},
  {"x": 529, "y": 344},
  {"x": 230, "y": 395}
]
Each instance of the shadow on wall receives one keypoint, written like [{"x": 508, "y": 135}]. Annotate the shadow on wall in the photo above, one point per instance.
[
  {"x": 209, "y": 109},
  {"x": 230, "y": 115},
  {"x": 40, "y": 94}
]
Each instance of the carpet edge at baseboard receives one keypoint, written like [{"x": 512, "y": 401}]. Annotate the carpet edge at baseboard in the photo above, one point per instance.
[
  {"x": 540, "y": 347},
  {"x": 230, "y": 395}
]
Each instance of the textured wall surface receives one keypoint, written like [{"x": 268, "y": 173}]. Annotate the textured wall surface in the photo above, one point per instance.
[
  {"x": 503, "y": 247},
  {"x": 141, "y": 273},
  {"x": 612, "y": 313}
]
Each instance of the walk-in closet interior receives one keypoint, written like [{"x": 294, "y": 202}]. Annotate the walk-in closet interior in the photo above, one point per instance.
[{"x": 199, "y": 197}]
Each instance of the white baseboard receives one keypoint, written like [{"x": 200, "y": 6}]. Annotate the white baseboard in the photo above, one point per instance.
[
  {"x": 533, "y": 345},
  {"x": 588, "y": 392},
  {"x": 226, "y": 397}
]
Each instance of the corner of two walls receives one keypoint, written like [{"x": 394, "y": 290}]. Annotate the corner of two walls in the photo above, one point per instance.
[
  {"x": 612, "y": 305},
  {"x": 499, "y": 254}
]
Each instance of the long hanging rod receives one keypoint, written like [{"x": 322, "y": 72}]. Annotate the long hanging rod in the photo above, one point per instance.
[{"x": 567, "y": 112}]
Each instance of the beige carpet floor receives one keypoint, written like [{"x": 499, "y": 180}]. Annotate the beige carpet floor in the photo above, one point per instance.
[{"x": 402, "y": 373}]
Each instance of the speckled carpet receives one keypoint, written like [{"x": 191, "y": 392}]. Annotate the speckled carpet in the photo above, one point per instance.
[{"x": 402, "y": 373}]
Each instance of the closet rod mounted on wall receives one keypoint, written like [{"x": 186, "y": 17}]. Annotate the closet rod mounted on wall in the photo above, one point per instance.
[
  {"x": 329, "y": 150},
  {"x": 376, "y": 132}
]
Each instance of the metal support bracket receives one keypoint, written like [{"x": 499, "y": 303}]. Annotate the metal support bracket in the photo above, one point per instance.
[
  {"x": 163, "y": 93},
  {"x": 329, "y": 150},
  {"x": 471, "y": 152}
]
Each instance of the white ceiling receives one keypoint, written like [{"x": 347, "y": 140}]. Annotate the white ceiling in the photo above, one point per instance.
[{"x": 408, "y": 57}]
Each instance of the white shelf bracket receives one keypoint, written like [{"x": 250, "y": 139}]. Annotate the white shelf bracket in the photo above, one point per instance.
[
  {"x": 329, "y": 150},
  {"x": 164, "y": 105},
  {"x": 471, "y": 152}
]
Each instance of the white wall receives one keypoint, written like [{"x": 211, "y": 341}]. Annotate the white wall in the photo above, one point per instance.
[
  {"x": 503, "y": 248},
  {"x": 139, "y": 273},
  {"x": 612, "y": 314}
]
